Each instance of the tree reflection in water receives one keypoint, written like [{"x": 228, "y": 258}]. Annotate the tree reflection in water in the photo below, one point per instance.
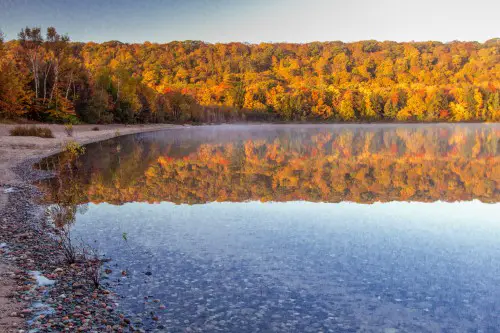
[{"x": 284, "y": 163}]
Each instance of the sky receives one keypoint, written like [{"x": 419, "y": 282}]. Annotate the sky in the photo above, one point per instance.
[{"x": 256, "y": 21}]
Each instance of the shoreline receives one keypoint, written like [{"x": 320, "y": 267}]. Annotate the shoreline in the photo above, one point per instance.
[
  {"x": 16, "y": 149},
  {"x": 31, "y": 246},
  {"x": 27, "y": 242}
]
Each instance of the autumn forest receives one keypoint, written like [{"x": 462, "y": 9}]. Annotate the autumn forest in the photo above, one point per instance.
[{"x": 47, "y": 77}]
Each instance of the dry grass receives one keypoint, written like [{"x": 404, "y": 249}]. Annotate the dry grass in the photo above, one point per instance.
[{"x": 42, "y": 132}]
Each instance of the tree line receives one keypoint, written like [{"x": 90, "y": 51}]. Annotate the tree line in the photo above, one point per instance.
[{"x": 46, "y": 77}]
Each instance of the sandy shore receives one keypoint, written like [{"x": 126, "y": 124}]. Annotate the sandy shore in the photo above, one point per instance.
[{"x": 17, "y": 150}]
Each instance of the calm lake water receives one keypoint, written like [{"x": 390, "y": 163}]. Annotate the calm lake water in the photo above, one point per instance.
[{"x": 294, "y": 228}]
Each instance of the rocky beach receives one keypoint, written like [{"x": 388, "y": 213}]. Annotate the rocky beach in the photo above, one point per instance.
[{"x": 39, "y": 292}]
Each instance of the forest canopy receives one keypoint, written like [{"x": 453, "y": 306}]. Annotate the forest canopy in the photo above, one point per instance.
[{"x": 46, "y": 77}]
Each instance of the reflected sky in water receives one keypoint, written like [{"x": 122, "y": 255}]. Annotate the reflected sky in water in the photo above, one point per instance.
[{"x": 310, "y": 234}]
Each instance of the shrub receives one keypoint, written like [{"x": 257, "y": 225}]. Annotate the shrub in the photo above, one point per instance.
[
  {"x": 63, "y": 217},
  {"x": 95, "y": 128},
  {"x": 74, "y": 148},
  {"x": 93, "y": 265},
  {"x": 42, "y": 132},
  {"x": 68, "y": 248},
  {"x": 68, "y": 128}
]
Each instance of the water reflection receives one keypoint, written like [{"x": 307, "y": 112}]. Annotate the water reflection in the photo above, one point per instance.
[
  {"x": 285, "y": 163},
  {"x": 298, "y": 241}
]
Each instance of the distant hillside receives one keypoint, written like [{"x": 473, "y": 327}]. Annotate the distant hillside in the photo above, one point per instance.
[{"x": 49, "y": 78}]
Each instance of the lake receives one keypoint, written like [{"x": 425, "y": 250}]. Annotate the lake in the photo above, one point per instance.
[{"x": 294, "y": 228}]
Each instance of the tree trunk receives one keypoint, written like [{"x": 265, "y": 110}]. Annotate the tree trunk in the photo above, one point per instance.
[
  {"x": 35, "y": 75},
  {"x": 69, "y": 85},
  {"x": 56, "y": 78},
  {"x": 45, "y": 82}
]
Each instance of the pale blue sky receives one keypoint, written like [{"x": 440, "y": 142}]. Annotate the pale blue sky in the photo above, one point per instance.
[{"x": 256, "y": 20}]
